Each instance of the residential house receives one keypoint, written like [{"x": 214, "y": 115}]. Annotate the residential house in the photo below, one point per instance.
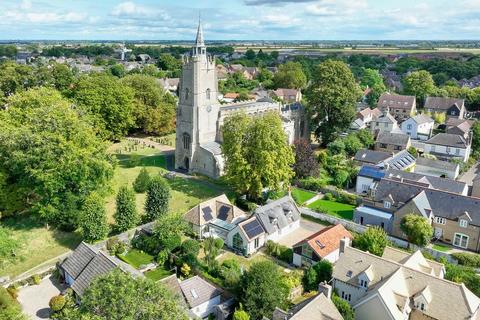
[
  {"x": 288, "y": 95},
  {"x": 143, "y": 58},
  {"x": 248, "y": 237},
  {"x": 390, "y": 141},
  {"x": 455, "y": 217},
  {"x": 399, "y": 106},
  {"x": 85, "y": 263},
  {"x": 371, "y": 157},
  {"x": 446, "y": 146},
  {"x": 368, "y": 115},
  {"x": 279, "y": 217},
  {"x": 215, "y": 217},
  {"x": 452, "y": 107},
  {"x": 461, "y": 127},
  {"x": 323, "y": 245},
  {"x": 471, "y": 83},
  {"x": 400, "y": 285},
  {"x": 201, "y": 296},
  {"x": 402, "y": 160},
  {"x": 357, "y": 124},
  {"x": 234, "y": 68},
  {"x": 222, "y": 72},
  {"x": 437, "y": 168},
  {"x": 319, "y": 307},
  {"x": 384, "y": 123},
  {"x": 169, "y": 84},
  {"x": 418, "y": 127}
]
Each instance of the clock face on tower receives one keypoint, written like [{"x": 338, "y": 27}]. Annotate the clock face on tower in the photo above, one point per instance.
[{"x": 209, "y": 108}]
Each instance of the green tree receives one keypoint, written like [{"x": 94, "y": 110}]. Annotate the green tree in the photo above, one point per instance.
[
  {"x": 117, "y": 70},
  {"x": 476, "y": 137},
  {"x": 418, "y": 229},
  {"x": 126, "y": 214},
  {"x": 343, "y": 307},
  {"x": 108, "y": 101},
  {"x": 140, "y": 185},
  {"x": 336, "y": 147},
  {"x": 413, "y": 151},
  {"x": 168, "y": 231},
  {"x": 352, "y": 144},
  {"x": 240, "y": 314},
  {"x": 419, "y": 84},
  {"x": 374, "y": 240},
  {"x": 14, "y": 78},
  {"x": 332, "y": 96},
  {"x": 9, "y": 308},
  {"x": 263, "y": 289},
  {"x": 63, "y": 77},
  {"x": 154, "y": 109},
  {"x": 118, "y": 296},
  {"x": 50, "y": 157},
  {"x": 290, "y": 75},
  {"x": 169, "y": 63},
  {"x": 158, "y": 197},
  {"x": 319, "y": 272},
  {"x": 372, "y": 79},
  {"x": 257, "y": 154},
  {"x": 366, "y": 138},
  {"x": 212, "y": 247},
  {"x": 93, "y": 219},
  {"x": 306, "y": 163}
]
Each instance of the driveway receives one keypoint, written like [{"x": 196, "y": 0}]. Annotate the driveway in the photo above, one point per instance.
[
  {"x": 306, "y": 229},
  {"x": 34, "y": 299}
]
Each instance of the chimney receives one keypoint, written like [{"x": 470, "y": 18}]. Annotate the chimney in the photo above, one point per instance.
[
  {"x": 344, "y": 242},
  {"x": 325, "y": 288}
]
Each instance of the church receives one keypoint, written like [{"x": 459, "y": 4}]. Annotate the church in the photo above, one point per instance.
[{"x": 200, "y": 116}]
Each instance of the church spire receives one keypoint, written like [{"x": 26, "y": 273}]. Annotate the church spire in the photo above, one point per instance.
[{"x": 199, "y": 42}]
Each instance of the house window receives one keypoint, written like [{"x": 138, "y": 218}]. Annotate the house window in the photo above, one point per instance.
[
  {"x": 386, "y": 125},
  {"x": 409, "y": 126},
  {"x": 382, "y": 225},
  {"x": 457, "y": 152},
  {"x": 237, "y": 242},
  {"x": 460, "y": 240},
  {"x": 440, "y": 220},
  {"x": 422, "y": 306},
  {"x": 187, "y": 93},
  {"x": 448, "y": 149},
  {"x": 387, "y": 204},
  {"x": 432, "y": 148},
  {"x": 208, "y": 94},
  {"x": 186, "y": 141},
  {"x": 383, "y": 145},
  {"x": 257, "y": 243},
  {"x": 463, "y": 223},
  {"x": 361, "y": 221},
  {"x": 365, "y": 187}
]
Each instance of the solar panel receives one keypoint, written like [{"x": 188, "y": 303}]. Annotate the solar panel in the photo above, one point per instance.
[
  {"x": 223, "y": 213},
  {"x": 253, "y": 228},
  {"x": 207, "y": 214}
]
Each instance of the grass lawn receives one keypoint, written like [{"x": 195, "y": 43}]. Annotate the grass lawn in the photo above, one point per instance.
[
  {"x": 157, "y": 274},
  {"x": 34, "y": 244},
  {"x": 333, "y": 208},
  {"x": 440, "y": 247},
  {"x": 300, "y": 196},
  {"x": 136, "y": 258}
]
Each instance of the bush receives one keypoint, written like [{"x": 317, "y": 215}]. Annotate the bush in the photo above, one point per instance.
[
  {"x": 13, "y": 291},
  {"x": 246, "y": 205},
  {"x": 126, "y": 214},
  {"x": 146, "y": 243},
  {"x": 158, "y": 197},
  {"x": 347, "y": 198},
  {"x": 115, "y": 246},
  {"x": 374, "y": 240},
  {"x": 162, "y": 257},
  {"x": 467, "y": 259},
  {"x": 93, "y": 220},
  {"x": 279, "y": 251},
  {"x": 311, "y": 183},
  {"x": 343, "y": 307},
  {"x": 190, "y": 246},
  {"x": 319, "y": 272},
  {"x": 57, "y": 303},
  {"x": 286, "y": 254},
  {"x": 140, "y": 185},
  {"x": 36, "y": 279},
  {"x": 134, "y": 161},
  {"x": 328, "y": 196}
]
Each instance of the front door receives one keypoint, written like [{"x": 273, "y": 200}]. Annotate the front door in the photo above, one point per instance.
[
  {"x": 187, "y": 164},
  {"x": 438, "y": 232}
]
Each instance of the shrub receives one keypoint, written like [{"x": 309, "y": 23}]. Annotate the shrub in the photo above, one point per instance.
[
  {"x": 140, "y": 185},
  {"x": 278, "y": 251},
  {"x": 231, "y": 263},
  {"x": 286, "y": 254},
  {"x": 374, "y": 240},
  {"x": 162, "y": 257},
  {"x": 134, "y": 161},
  {"x": 311, "y": 183},
  {"x": 417, "y": 228},
  {"x": 13, "y": 291},
  {"x": 115, "y": 246},
  {"x": 328, "y": 196},
  {"x": 126, "y": 214},
  {"x": 347, "y": 198},
  {"x": 240, "y": 314},
  {"x": 158, "y": 197},
  {"x": 93, "y": 220},
  {"x": 57, "y": 303},
  {"x": 467, "y": 259},
  {"x": 343, "y": 307},
  {"x": 319, "y": 272},
  {"x": 36, "y": 279},
  {"x": 190, "y": 246}
]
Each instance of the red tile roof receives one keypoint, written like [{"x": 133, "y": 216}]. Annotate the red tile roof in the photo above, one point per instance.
[{"x": 326, "y": 240}]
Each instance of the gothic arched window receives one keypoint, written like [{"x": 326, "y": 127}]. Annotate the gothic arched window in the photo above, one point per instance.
[
  {"x": 208, "y": 94},
  {"x": 187, "y": 93},
  {"x": 186, "y": 141}
]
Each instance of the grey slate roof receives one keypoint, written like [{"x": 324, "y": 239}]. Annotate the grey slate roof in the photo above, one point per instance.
[
  {"x": 197, "y": 291},
  {"x": 438, "y": 164},
  {"x": 213, "y": 147},
  {"x": 371, "y": 156},
  {"x": 99, "y": 265},
  {"x": 78, "y": 260},
  {"x": 278, "y": 214},
  {"x": 449, "y": 140},
  {"x": 422, "y": 118},
  {"x": 443, "y": 104},
  {"x": 435, "y": 182},
  {"x": 396, "y": 101},
  {"x": 401, "y": 160},
  {"x": 393, "y": 138}
]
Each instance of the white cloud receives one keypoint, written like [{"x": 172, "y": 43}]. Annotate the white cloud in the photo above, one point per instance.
[
  {"x": 129, "y": 9},
  {"x": 26, "y": 5}
]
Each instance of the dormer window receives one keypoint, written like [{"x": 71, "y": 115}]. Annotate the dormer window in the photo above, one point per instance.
[
  {"x": 387, "y": 204},
  {"x": 463, "y": 223}
]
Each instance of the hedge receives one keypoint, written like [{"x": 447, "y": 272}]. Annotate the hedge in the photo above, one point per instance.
[{"x": 467, "y": 259}]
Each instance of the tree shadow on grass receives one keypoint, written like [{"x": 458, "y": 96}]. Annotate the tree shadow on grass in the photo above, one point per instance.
[
  {"x": 193, "y": 187},
  {"x": 345, "y": 214},
  {"x": 134, "y": 160}
]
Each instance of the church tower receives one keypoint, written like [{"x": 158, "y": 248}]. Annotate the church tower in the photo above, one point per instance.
[{"x": 198, "y": 108}]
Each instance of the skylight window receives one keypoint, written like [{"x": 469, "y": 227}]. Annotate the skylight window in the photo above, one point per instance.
[{"x": 194, "y": 294}]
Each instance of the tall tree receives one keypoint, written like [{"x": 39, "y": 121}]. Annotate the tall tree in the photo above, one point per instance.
[
  {"x": 158, "y": 197},
  {"x": 419, "y": 84},
  {"x": 263, "y": 289},
  {"x": 418, "y": 229},
  {"x": 374, "y": 240},
  {"x": 476, "y": 137},
  {"x": 257, "y": 154},
  {"x": 108, "y": 101},
  {"x": 142, "y": 181},
  {"x": 331, "y": 98},
  {"x": 118, "y": 296},
  {"x": 154, "y": 109},
  {"x": 168, "y": 231},
  {"x": 290, "y": 75},
  {"x": 372, "y": 79},
  {"x": 126, "y": 214},
  {"x": 93, "y": 219},
  {"x": 306, "y": 163},
  {"x": 50, "y": 156}
]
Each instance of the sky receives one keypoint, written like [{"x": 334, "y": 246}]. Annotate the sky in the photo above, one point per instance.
[{"x": 240, "y": 19}]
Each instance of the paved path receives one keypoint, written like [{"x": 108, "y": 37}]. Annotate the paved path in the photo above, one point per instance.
[
  {"x": 34, "y": 299},
  {"x": 468, "y": 176}
]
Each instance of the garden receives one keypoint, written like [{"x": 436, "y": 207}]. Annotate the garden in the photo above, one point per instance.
[
  {"x": 331, "y": 206},
  {"x": 301, "y": 196}
]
